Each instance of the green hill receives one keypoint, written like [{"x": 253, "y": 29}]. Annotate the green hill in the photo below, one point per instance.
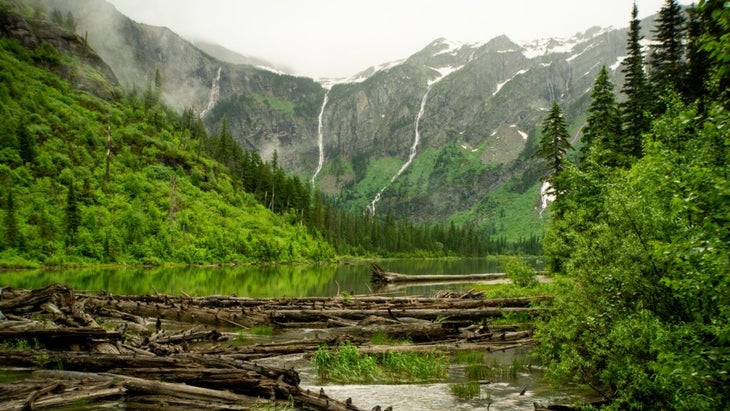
[{"x": 88, "y": 179}]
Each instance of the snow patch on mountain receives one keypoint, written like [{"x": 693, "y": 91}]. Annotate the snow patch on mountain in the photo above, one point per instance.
[
  {"x": 443, "y": 72},
  {"x": 500, "y": 85},
  {"x": 452, "y": 47},
  {"x": 542, "y": 47},
  {"x": 618, "y": 62}
]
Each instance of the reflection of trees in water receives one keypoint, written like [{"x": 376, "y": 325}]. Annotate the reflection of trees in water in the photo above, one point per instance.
[{"x": 244, "y": 281}]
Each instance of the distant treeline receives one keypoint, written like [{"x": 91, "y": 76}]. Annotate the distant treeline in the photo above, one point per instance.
[{"x": 356, "y": 234}]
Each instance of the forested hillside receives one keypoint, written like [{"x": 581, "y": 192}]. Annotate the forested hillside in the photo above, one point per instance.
[
  {"x": 101, "y": 175},
  {"x": 118, "y": 180},
  {"x": 641, "y": 224}
]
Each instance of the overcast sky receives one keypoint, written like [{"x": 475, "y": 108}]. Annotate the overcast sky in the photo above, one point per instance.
[{"x": 338, "y": 38}]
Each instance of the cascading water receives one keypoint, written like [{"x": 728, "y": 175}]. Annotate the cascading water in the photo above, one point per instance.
[
  {"x": 215, "y": 93},
  {"x": 320, "y": 135},
  {"x": 411, "y": 156}
]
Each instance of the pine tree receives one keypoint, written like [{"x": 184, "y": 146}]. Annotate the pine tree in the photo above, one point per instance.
[
  {"x": 73, "y": 216},
  {"x": 26, "y": 145},
  {"x": 635, "y": 109},
  {"x": 604, "y": 120},
  {"x": 11, "y": 223},
  {"x": 554, "y": 143},
  {"x": 667, "y": 51},
  {"x": 696, "y": 72}
]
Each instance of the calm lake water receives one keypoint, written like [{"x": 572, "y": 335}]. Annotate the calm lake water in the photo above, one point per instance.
[{"x": 251, "y": 281}]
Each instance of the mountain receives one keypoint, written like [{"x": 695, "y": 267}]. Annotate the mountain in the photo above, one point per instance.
[
  {"x": 94, "y": 177},
  {"x": 445, "y": 134},
  {"x": 229, "y": 56}
]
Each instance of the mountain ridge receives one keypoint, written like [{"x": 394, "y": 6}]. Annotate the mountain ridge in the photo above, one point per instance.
[{"x": 479, "y": 124}]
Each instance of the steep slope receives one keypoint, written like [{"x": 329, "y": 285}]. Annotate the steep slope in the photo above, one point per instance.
[
  {"x": 478, "y": 126},
  {"x": 430, "y": 137},
  {"x": 266, "y": 110},
  {"x": 86, "y": 71},
  {"x": 88, "y": 180}
]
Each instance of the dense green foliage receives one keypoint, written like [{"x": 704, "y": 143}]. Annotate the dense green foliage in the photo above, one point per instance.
[
  {"x": 161, "y": 201},
  {"x": 348, "y": 232},
  {"x": 645, "y": 321},
  {"x": 130, "y": 181}
]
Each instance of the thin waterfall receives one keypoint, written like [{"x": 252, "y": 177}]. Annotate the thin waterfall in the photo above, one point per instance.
[
  {"x": 215, "y": 93},
  {"x": 411, "y": 156},
  {"x": 320, "y": 135}
]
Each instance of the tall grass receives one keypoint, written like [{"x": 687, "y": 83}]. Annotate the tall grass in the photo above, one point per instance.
[
  {"x": 345, "y": 364},
  {"x": 465, "y": 390}
]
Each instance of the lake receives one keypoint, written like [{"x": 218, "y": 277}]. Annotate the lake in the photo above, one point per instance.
[{"x": 251, "y": 281}]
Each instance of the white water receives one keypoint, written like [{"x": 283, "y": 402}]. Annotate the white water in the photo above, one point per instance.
[
  {"x": 411, "y": 156},
  {"x": 320, "y": 135},
  {"x": 215, "y": 93}
]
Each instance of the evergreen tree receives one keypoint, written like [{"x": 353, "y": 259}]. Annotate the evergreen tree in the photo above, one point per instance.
[
  {"x": 11, "y": 223},
  {"x": 26, "y": 145},
  {"x": 696, "y": 72},
  {"x": 604, "y": 121},
  {"x": 667, "y": 51},
  {"x": 554, "y": 143},
  {"x": 73, "y": 215},
  {"x": 635, "y": 109}
]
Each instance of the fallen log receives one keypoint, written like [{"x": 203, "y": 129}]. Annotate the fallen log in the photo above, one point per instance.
[
  {"x": 62, "y": 337},
  {"x": 283, "y": 316},
  {"x": 380, "y": 276}
]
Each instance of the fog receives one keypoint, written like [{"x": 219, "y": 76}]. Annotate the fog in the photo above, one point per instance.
[{"x": 338, "y": 38}]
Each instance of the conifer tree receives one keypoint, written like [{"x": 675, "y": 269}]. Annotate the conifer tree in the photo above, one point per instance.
[
  {"x": 635, "y": 109},
  {"x": 604, "y": 120},
  {"x": 697, "y": 66},
  {"x": 26, "y": 145},
  {"x": 73, "y": 215},
  {"x": 11, "y": 223},
  {"x": 554, "y": 143},
  {"x": 667, "y": 50}
]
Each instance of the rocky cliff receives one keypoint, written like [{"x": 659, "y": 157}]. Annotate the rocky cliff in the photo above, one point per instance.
[{"x": 445, "y": 134}]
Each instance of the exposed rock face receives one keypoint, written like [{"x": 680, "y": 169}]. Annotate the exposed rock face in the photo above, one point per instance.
[
  {"x": 91, "y": 73},
  {"x": 480, "y": 122}
]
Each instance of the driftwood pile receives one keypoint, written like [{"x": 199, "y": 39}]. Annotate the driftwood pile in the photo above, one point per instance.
[{"x": 153, "y": 351}]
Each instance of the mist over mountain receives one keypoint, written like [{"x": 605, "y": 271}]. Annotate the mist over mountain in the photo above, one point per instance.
[
  {"x": 229, "y": 56},
  {"x": 445, "y": 134}
]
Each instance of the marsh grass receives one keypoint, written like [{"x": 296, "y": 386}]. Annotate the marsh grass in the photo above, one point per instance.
[
  {"x": 415, "y": 367},
  {"x": 345, "y": 364},
  {"x": 478, "y": 372},
  {"x": 465, "y": 390},
  {"x": 469, "y": 357}
]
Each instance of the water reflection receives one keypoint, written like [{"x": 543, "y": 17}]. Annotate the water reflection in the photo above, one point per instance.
[{"x": 251, "y": 281}]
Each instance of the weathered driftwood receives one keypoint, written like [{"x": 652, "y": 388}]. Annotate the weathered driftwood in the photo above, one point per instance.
[
  {"x": 60, "y": 337},
  {"x": 156, "y": 355},
  {"x": 380, "y": 276}
]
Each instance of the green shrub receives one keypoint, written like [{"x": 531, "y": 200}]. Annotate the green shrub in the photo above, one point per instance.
[{"x": 519, "y": 272}]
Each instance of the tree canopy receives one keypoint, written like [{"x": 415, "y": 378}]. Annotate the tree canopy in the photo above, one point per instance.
[{"x": 642, "y": 255}]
